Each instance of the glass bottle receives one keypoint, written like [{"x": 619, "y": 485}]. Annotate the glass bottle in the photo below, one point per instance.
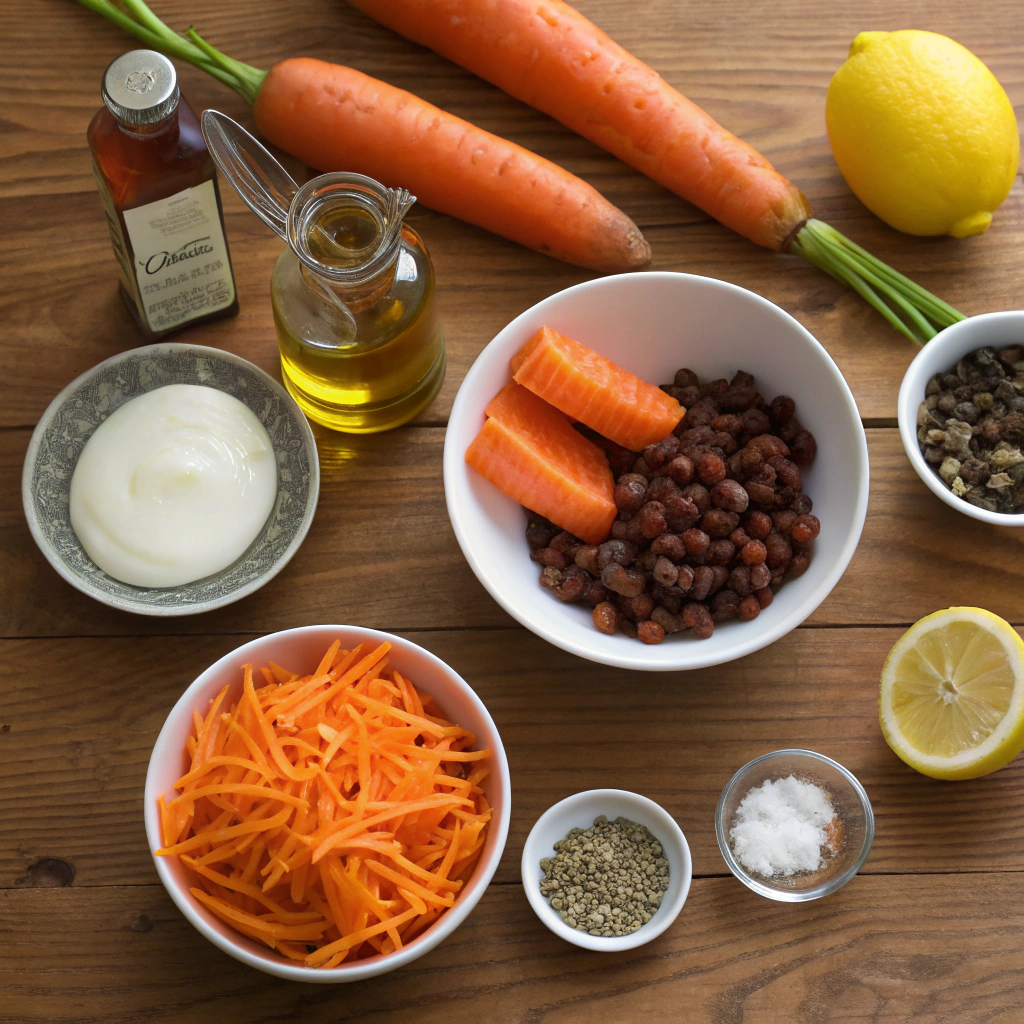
[
  {"x": 353, "y": 299},
  {"x": 159, "y": 190}
]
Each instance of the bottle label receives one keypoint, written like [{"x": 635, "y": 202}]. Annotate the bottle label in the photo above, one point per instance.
[{"x": 180, "y": 257}]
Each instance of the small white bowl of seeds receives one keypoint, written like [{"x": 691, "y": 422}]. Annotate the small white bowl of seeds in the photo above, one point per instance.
[{"x": 606, "y": 869}]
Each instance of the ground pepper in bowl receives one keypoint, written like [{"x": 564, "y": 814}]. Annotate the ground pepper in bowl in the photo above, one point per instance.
[
  {"x": 608, "y": 879},
  {"x": 711, "y": 519},
  {"x": 970, "y": 427}
]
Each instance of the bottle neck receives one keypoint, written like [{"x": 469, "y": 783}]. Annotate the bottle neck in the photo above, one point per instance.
[{"x": 143, "y": 132}]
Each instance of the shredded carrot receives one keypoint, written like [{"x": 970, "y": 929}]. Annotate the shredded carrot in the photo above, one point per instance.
[{"x": 343, "y": 815}]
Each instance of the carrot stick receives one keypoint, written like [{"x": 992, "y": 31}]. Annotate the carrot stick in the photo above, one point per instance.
[{"x": 335, "y": 118}]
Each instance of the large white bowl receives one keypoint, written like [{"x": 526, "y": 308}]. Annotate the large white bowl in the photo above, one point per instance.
[
  {"x": 304, "y": 647},
  {"x": 940, "y": 355},
  {"x": 653, "y": 324}
]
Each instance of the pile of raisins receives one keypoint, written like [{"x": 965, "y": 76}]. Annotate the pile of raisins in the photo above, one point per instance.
[{"x": 711, "y": 521}]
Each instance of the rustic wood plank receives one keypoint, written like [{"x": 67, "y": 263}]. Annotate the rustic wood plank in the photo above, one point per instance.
[
  {"x": 767, "y": 87},
  {"x": 882, "y": 949},
  {"x": 381, "y": 552},
  {"x": 83, "y": 717}
]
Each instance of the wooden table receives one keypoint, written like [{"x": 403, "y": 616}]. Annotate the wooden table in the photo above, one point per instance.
[{"x": 932, "y": 929}]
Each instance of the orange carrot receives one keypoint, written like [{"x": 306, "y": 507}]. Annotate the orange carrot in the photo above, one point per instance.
[
  {"x": 530, "y": 451},
  {"x": 594, "y": 390},
  {"x": 329, "y": 812},
  {"x": 335, "y": 118},
  {"x": 550, "y": 56}
]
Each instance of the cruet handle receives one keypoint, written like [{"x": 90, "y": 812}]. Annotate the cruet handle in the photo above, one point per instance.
[{"x": 259, "y": 179}]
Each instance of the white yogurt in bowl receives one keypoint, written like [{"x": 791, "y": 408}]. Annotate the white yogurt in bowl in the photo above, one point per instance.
[{"x": 173, "y": 486}]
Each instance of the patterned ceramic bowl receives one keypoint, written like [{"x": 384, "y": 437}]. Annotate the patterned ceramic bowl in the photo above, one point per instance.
[{"x": 85, "y": 403}]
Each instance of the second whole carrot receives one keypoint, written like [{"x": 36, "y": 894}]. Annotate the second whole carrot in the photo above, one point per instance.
[{"x": 335, "y": 118}]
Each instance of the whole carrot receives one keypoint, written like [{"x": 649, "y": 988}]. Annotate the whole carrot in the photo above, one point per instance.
[
  {"x": 547, "y": 54},
  {"x": 336, "y": 118}
]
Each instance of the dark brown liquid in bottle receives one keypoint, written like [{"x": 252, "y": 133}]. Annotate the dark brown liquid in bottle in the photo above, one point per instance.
[{"x": 170, "y": 287}]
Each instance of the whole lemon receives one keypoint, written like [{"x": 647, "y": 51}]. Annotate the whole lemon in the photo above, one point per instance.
[{"x": 923, "y": 132}]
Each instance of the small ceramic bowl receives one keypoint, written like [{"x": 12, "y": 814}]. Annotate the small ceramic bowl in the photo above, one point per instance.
[
  {"x": 298, "y": 648},
  {"x": 86, "y": 402},
  {"x": 653, "y": 324},
  {"x": 848, "y": 798},
  {"x": 579, "y": 811},
  {"x": 940, "y": 355}
]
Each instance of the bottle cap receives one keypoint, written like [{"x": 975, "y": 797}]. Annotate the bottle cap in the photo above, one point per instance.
[{"x": 141, "y": 87}]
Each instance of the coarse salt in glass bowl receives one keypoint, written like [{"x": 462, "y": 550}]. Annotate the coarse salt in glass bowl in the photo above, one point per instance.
[{"x": 849, "y": 800}]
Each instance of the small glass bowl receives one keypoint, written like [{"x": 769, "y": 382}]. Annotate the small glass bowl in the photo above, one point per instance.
[{"x": 847, "y": 796}]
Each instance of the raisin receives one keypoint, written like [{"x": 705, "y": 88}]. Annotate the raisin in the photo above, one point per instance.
[
  {"x": 769, "y": 446},
  {"x": 539, "y": 533},
  {"x": 783, "y": 408},
  {"x": 699, "y": 495},
  {"x": 725, "y": 443},
  {"x": 688, "y": 396},
  {"x": 619, "y": 551},
  {"x": 665, "y": 572},
  {"x": 650, "y": 632},
  {"x": 669, "y": 621},
  {"x": 662, "y": 452},
  {"x": 650, "y": 520},
  {"x": 798, "y": 566},
  {"x": 804, "y": 448},
  {"x": 636, "y": 608},
  {"x": 551, "y": 557},
  {"x": 727, "y": 422},
  {"x": 724, "y": 605},
  {"x": 719, "y": 522},
  {"x": 801, "y": 504},
  {"x": 739, "y": 537},
  {"x": 764, "y": 597},
  {"x": 710, "y": 468},
  {"x": 629, "y": 628},
  {"x": 789, "y": 430},
  {"x": 566, "y": 543},
  {"x": 630, "y": 493},
  {"x": 595, "y": 593},
  {"x": 760, "y": 493},
  {"x": 760, "y": 576},
  {"x": 628, "y": 582},
  {"x": 778, "y": 551},
  {"x": 783, "y": 521},
  {"x": 662, "y": 488},
  {"x": 606, "y": 618},
  {"x": 685, "y": 581},
  {"x": 753, "y": 552},
  {"x": 586, "y": 558},
  {"x": 730, "y": 495},
  {"x": 758, "y": 525},
  {"x": 787, "y": 473},
  {"x": 618, "y": 530},
  {"x": 703, "y": 579},
  {"x": 640, "y": 468},
  {"x": 714, "y": 388},
  {"x": 670, "y": 545},
  {"x": 751, "y": 460},
  {"x": 739, "y": 580},
  {"x": 749, "y": 608},
  {"x": 680, "y": 469},
  {"x": 574, "y": 583},
  {"x": 550, "y": 577},
  {"x": 805, "y": 529},
  {"x": 720, "y": 552},
  {"x": 784, "y": 497},
  {"x": 699, "y": 415},
  {"x": 720, "y": 576},
  {"x": 755, "y": 422},
  {"x": 737, "y": 398},
  {"x": 686, "y": 379},
  {"x": 698, "y": 619}
]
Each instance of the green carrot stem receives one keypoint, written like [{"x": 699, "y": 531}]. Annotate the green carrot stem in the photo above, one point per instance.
[
  {"x": 142, "y": 23},
  {"x": 911, "y": 309}
]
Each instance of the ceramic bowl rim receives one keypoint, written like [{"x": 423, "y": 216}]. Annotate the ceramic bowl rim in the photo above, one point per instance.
[
  {"x": 360, "y": 969},
  {"x": 785, "y": 895},
  {"x": 689, "y": 656},
  {"x": 953, "y": 337},
  {"x": 669, "y": 832},
  {"x": 163, "y": 611}
]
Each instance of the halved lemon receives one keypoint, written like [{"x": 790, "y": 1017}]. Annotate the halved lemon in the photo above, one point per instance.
[{"x": 952, "y": 697}]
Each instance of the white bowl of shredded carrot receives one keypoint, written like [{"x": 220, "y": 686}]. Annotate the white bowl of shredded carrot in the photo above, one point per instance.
[{"x": 327, "y": 803}]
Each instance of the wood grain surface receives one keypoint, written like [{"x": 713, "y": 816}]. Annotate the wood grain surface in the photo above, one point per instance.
[{"x": 933, "y": 928}]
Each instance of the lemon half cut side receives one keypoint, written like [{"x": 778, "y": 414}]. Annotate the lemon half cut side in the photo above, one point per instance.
[{"x": 952, "y": 696}]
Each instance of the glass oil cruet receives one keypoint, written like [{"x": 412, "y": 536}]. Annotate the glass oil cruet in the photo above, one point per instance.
[{"x": 353, "y": 294}]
